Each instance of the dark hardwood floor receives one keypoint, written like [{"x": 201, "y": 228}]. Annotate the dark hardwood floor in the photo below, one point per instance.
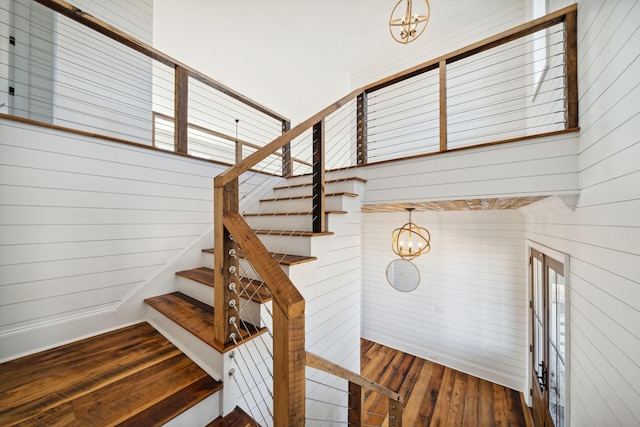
[
  {"x": 435, "y": 395},
  {"x": 129, "y": 377}
]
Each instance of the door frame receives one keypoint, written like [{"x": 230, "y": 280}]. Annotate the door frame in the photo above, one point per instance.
[{"x": 564, "y": 259}]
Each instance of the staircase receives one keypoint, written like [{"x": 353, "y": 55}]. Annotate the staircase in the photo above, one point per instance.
[
  {"x": 283, "y": 223},
  {"x": 136, "y": 376}
]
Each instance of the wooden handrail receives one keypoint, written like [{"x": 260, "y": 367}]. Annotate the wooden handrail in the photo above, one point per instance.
[
  {"x": 285, "y": 294},
  {"x": 105, "y": 29},
  {"x": 221, "y": 136},
  {"x": 322, "y": 364},
  {"x": 249, "y": 162}
]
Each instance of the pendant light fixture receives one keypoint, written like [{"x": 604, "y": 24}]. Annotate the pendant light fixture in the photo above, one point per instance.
[
  {"x": 410, "y": 241},
  {"x": 406, "y": 23}
]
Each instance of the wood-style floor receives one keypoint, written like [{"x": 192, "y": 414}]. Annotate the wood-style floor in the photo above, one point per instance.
[
  {"x": 435, "y": 395},
  {"x": 129, "y": 377}
]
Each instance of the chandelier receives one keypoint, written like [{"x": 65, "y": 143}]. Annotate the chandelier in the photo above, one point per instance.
[
  {"x": 410, "y": 241},
  {"x": 405, "y": 24}
]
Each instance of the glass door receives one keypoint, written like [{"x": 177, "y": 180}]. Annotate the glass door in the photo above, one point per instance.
[{"x": 548, "y": 340}]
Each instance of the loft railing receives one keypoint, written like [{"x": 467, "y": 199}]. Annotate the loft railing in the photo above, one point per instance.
[
  {"x": 67, "y": 69},
  {"x": 515, "y": 102}
]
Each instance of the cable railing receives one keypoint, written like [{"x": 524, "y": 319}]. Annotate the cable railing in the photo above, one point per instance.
[{"x": 64, "y": 68}]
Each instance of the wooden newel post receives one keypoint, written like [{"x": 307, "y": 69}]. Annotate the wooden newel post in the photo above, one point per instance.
[
  {"x": 443, "y": 105},
  {"x": 225, "y": 265},
  {"x": 356, "y": 405},
  {"x": 361, "y": 126},
  {"x": 395, "y": 413},
  {"x": 571, "y": 60},
  {"x": 289, "y": 358},
  {"x": 287, "y": 166},
  {"x": 181, "y": 110},
  {"x": 318, "y": 203}
]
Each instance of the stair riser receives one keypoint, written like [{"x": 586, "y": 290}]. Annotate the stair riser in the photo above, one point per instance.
[
  {"x": 332, "y": 203},
  {"x": 350, "y": 186},
  {"x": 250, "y": 310},
  {"x": 290, "y": 222},
  {"x": 200, "y": 352}
]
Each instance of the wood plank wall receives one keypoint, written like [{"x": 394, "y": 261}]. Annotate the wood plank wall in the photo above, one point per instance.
[
  {"x": 469, "y": 309},
  {"x": 601, "y": 235}
]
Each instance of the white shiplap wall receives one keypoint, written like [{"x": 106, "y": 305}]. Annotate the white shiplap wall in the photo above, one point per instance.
[
  {"x": 601, "y": 235},
  {"x": 84, "y": 223},
  {"x": 469, "y": 310}
]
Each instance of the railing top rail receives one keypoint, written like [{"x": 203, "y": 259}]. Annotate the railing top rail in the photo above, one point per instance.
[
  {"x": 486, "y": 44},
  {"x": 105, "y": 29},
  {"x": 328, "y": 366},
  {"x": 247, "y": 163},
  {"x": 478, "y": 47},
  {"x": 284, "y": 292}
]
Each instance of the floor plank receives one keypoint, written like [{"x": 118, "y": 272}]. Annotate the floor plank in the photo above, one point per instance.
[
  {"x": 133, "y": 373},
  {"x": 435, "y": 395}
]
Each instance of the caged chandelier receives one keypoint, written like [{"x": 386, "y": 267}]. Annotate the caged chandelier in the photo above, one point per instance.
[
  {"x": 410, "y": 241},
  {"x": 407, "y": 24}
]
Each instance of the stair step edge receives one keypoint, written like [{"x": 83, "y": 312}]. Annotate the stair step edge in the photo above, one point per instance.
[
  {"x": 278, "y": 199},
  {"x": 204, "y": 275},
  {"x": 292, "y": 213},
  {"x": 330, "y": 181},
  {"x": 195, "y": 316},
  {"x": 282, "y": 259}
]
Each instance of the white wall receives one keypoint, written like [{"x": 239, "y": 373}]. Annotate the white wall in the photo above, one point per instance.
[
  {"x": 601, "y": 235},
  {"x": 469, "y": 310},
  {"x": 84, "y": 223},
  {"x": 100, "y": 86}
]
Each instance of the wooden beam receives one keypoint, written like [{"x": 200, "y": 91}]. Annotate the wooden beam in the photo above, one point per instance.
[
  {"x": 395, "y": 413},
  {"x": 443, "y": 106},
  {"x": 318, "y": 199},
  {"x": 361, "y": 128},
  {"x": 284, "y": 292},
  {"x": 289, "y": 382},
  {"x": 225, "y": 202},
  {"x": 571, "y": 51},
  {"x": 329, "y": 367},
  {"x": 181, "y": 111},
  {"x": 279, "y": 142},
  {"x": 356, "y": 405},
  {"x": 287, "y": 166}
]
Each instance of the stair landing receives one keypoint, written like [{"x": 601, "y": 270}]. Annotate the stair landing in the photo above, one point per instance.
[{"x": 131, "y": 376}]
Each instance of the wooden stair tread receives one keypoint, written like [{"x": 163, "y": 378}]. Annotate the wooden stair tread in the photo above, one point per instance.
[
  {"x": 251, "y": 289},
  {"x": 277, "y": 199},
  {"x": 235, "y": 418},
  {"x": 131, "y": 376},
  {"x": 283, "y": 259},
  {"x": 195, "y": 316},
  {"x": 329, "y": 181},
  {"x": 293, "y": 233},
  {"x": 291, "y": 213}
]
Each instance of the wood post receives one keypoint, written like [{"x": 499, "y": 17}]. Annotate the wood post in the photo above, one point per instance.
[
  {"x": 287, "y": 166},
  {"x": 225, "y": 200},
  {"x": 181, "y": 110},
  {"x": 361, "y": 129},
  {"x": 395, "y": 413},
  {"x": 318, "y": 203},
  {"x": 571, "y": 58},
  {"x": 289, "y": 359},
  {"x": 443, "y": 105},
  {"x": 356, "y": 405}
]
